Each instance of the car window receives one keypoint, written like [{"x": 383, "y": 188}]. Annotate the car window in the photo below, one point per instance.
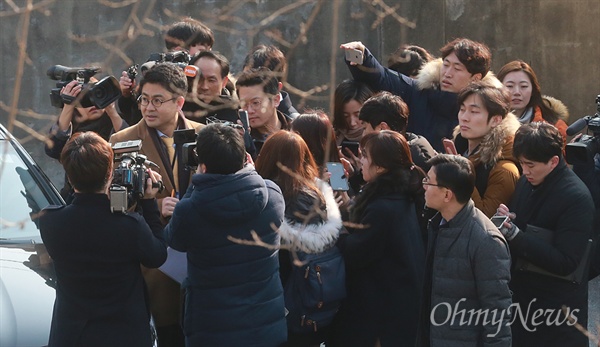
[{"x": 21, "y": 199}]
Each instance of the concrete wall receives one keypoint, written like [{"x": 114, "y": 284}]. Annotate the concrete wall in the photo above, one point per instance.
[{"x": 558, "y": 38}]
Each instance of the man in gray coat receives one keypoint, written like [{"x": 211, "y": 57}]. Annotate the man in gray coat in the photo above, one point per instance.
[{"x": 466, "y": 297}]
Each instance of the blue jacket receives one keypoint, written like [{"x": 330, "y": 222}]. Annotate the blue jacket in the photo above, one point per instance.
[
  {"x": 233, "y": 294},
  {"x": 433, "y": 113}
]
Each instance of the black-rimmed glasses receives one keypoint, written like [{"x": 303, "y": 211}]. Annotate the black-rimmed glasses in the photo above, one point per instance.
[
  {"x": 426, "y": 183},
  {"x": 155, "y": 102}
]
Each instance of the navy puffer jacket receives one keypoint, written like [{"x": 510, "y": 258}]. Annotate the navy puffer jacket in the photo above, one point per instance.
[{"x": 233, "y": 295}]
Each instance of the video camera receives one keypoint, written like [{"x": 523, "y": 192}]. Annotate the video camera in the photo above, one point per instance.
[
  {"x": 586, "y": 147},
  {"x": 187, "y": 138},
  {"x": 179, "y": 58},
  {"x": 99, "y": 94},
  {"x": 129, "y": 176}
]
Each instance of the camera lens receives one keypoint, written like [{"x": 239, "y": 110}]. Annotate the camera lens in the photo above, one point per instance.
[{"x": 99, "y": 93}]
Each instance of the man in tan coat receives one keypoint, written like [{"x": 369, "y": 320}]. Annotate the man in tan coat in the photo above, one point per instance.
[{"x": 162, "y": 95}]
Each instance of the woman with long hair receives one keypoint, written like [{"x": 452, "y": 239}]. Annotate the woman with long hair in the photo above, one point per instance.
[
  {"x": 383, "y": 251},
  {"x": 527, "y": 101},
  {"x": 348, "y": 99},
  {"x": 312, "y": 218},
  {"x": 316, "y": 130}
]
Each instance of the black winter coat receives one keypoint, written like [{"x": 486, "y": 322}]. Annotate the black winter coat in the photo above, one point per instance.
[
  {"x": 100, "y": 293},
  {"x": 563, "y": 204},
  {"x": 385, "y": 263}
]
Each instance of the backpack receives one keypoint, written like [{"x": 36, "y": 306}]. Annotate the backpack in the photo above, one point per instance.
[{"x": 314, "y": 291}]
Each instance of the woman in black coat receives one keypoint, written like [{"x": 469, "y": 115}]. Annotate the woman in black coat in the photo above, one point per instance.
[
  {"x": 100, "y": 292},
  {"x": 384, "y": 252},
  {"x": 312, "y": 220}
]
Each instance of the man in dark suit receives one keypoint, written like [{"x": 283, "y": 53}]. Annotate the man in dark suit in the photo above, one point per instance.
[{"x": 100, "y": 294}]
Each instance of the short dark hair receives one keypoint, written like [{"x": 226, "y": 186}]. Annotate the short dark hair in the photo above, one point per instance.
[
  {"x": 408, "y": 59},
  {"x": 88, "y": 161},
  {"x": 268, "y": 56},
  {"x": 261, "y": 76},
  {"x": 496, "y": 100},
  {"x": 385, "y": 107},
  {"x": 538, "y": 141},
  {"x": 456, "y": 173},
  {"x": 188, "y": 32},
  {"x": 476, "y": 56},
  {"x": 345, "y": 92},
  {"x": 169, "y": 76},
  {"x": 216, "y": 56},
  {"x": 221, "y": 149}
]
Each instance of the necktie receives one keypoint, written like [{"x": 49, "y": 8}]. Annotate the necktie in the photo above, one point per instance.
[{"x": 168, "y": 141}]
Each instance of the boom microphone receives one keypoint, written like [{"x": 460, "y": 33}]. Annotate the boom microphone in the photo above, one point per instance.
[{"x": 578, "y": 125}]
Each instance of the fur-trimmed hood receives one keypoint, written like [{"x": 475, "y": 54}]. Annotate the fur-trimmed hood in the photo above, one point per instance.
[
  {"x": 314, "y": 238},
  {"x": 496, "y": 145},
  {"x": 557, "y": 106},
  {"x": 429, "y": 76}
]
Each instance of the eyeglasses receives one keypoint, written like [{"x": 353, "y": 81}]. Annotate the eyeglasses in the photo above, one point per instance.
[
  {"x": 254, "y": 104},
  {"x": 155, "y": 102},
  {"x": 426, "y": 183}
]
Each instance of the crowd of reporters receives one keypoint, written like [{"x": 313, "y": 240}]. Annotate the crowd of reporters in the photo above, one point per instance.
[{"x": 412, "y": 226}]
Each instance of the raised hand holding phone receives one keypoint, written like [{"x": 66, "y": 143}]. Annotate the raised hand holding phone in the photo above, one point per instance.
[{"x": 449, "y": 146}]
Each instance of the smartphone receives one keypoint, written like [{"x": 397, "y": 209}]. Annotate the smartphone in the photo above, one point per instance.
[
  {"x": 354, "y": 56},
  {"x": 352, "y": 145},
  {"x": 243, "y": 117},
  {"x": 499, "y": 220},
  {"x": 338, "y": 179},
  {"x": 449, "y": 146}
]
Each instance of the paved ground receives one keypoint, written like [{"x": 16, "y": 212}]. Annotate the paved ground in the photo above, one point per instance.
[{"x": 594, "y": 308}]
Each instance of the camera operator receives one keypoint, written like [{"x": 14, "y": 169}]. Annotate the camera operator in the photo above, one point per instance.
[
  {"x": 188, "y": 35},
  {"x": 589, "y": 173},
  {"x": 100, "y": 294},
  {"x": 162, "y": 95},
  {"x": 234, "y": 295},
  {"x": 74, "y": 118}
]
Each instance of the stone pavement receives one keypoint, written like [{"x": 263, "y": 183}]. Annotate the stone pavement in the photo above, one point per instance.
[{"x": 594, "y": 308}]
